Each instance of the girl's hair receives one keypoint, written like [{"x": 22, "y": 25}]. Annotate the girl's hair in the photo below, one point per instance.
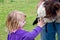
[{"x": 14, "y": 19}]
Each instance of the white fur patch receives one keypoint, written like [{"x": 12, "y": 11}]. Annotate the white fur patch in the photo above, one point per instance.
[{"x": 41, "y": 10}]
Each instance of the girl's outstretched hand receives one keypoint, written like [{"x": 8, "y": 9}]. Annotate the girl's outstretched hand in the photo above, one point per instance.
[{"x": 41, "y": 22}]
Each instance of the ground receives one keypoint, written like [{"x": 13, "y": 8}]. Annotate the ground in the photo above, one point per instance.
[{"x": 26, "y": 6}]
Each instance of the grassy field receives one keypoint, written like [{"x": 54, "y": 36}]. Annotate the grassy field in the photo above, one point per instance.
[{"x": 26, "y": 6}]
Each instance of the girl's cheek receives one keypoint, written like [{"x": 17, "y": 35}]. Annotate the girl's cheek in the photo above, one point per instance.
[{"x": 25, "y": 22}]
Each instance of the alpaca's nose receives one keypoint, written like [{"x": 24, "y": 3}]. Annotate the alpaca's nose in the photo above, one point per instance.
[{"x": 35, "y": 21}]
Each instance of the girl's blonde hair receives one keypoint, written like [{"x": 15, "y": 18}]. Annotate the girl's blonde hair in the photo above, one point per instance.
[{"x": 13, "y": 20}]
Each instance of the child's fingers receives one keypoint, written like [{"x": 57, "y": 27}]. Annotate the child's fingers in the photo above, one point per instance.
[{"x": 41, "y": 19}]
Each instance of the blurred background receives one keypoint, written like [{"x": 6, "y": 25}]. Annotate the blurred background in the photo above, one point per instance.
[{"x": 26, "y": 6}]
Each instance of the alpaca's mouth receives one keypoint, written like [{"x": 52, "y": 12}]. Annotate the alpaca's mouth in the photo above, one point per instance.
[{"x": 35, "y": 21}]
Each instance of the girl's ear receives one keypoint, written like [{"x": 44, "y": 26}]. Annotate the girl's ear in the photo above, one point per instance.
[{"x": 35, "y": 21}]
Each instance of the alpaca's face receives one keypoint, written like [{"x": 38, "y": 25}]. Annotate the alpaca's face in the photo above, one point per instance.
[
  {"x": 41, "y": 12},
  {"x": 47, "y": 10}
]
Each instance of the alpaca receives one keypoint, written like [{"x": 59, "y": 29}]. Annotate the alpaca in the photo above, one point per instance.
[{"x": 47, "y": 11}]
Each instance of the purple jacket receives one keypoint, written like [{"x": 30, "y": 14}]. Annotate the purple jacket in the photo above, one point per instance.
[{"x": 24, "y": 35}]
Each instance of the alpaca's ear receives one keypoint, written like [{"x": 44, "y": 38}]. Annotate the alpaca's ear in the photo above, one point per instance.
[
  {"x": 35, "y": 21},
  {"x": 57, "y": 5}
]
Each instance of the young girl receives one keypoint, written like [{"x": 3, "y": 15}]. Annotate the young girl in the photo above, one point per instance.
[{"x": 15, "y": 23}]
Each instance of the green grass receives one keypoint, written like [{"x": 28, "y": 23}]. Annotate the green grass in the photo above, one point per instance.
[
  {"x": 1, "y": 1},
  {"x": 26, "y": 6}
]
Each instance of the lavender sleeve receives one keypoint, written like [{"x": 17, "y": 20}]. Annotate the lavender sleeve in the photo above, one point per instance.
[{"x": 33, "y": 34}]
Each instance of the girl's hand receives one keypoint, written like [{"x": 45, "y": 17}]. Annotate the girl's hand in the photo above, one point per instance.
[{"x": 40, "y": 22}]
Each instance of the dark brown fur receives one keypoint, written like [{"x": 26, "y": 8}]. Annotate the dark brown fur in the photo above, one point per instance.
[{"x": 51, "y": 7}]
